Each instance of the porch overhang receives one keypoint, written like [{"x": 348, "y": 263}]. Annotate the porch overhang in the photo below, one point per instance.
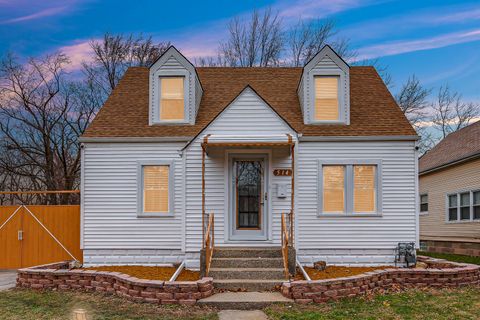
[{"x": 218, "y": 141}]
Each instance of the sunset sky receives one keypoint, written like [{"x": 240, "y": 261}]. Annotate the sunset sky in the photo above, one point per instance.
[{"x": 439, "y": 41}]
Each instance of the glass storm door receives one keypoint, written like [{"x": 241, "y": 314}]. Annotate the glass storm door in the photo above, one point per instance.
[{"x": 249, "y": 198}]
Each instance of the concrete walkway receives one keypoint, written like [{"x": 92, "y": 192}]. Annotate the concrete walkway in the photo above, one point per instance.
[
  {"x": 244, "y": 300},
  {"x": 242, "y": 315},
  {"x": 7, "y": 279}
]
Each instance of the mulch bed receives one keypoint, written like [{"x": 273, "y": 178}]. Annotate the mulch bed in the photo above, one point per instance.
[
  {"x": 332, "y": 272},
  {"x": 151, "y": 273}
]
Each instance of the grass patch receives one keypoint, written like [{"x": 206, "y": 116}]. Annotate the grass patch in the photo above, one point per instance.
[
  {"x": 414, "y": 304},
  {"x": 28, "y": 304},
  {"x": 451, "y": 257}
]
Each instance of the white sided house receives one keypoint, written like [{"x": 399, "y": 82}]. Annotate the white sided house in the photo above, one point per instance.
[{"x": 175, "y": 147}]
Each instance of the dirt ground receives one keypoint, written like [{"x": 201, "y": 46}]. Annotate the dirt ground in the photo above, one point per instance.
[
  {"x": 151, "y": 273},
  {"x": 335, "y": 272}
]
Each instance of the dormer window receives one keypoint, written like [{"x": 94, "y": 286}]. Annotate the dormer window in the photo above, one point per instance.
[
  {"x": 326, "y": 98},
  {"x": 324, "y": 89},
  {"x": 172, "y": 99}
]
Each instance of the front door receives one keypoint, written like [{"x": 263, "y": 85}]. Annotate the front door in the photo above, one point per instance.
[{"x": 248, "y": 198}]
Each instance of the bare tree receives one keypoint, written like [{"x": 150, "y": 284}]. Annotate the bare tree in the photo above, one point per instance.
[
  {"x": 41, "y": 118},
  {"x": 451, "y": 113},
  {"x": 258, "y": 42},
  {"x": 115, "y": 53},
  {"x": 413, "y": 100}
]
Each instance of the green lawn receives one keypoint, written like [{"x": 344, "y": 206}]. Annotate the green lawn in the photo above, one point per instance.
[
  {"x": 30, "y": 305},
  {"x": 451, "y": 257},
  {"x": 413, "y": 304}
]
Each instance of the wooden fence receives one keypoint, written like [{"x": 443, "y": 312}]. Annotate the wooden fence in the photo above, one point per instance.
[{"x": 38, "y": 234}]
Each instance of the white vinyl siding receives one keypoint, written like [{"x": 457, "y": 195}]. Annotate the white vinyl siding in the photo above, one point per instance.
[
  {"x": 396, "y": 219},
  {"x": 111, "y": 197}
]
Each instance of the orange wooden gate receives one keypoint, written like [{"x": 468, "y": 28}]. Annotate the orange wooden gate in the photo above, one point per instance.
[{"x": 39, "y": 234}]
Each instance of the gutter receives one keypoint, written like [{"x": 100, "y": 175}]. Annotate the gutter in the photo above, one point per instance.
[
  {"x": 132, "y": 139},
  {"x": 357, "y": 138}
]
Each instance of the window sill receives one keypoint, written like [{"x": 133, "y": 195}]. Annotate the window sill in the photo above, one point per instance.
[
  {"x": 462, "y": 221},
  {"x": 349, "y": 215},
  {"x": 425, "y": 213},
  {"x": 155, "y": 215},
  {"x": 333, "y": 122}
]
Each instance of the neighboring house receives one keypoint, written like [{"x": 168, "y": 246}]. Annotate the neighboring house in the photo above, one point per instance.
[
  {"x": 174, "y": 143},
  {"x": 450, "y": 194}
]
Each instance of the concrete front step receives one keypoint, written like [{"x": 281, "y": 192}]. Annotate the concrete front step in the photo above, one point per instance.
[
  {"x": 244, "y": 300},
  {"x": 246, "y": 273},
  {"x": 241, "y": 252},
  {"x": 247, "y": 263},
  {"x": 248, "y": 284}
]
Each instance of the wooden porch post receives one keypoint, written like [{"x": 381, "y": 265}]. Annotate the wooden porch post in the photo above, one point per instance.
[
  {"x": 293, "y": 191},
  {"x": 203, "y": 197}
]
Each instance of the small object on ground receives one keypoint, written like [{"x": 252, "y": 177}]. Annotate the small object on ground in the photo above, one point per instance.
[
  {"x": 79, "y": 314},
  {"x": 242, "y": 315},
  {"x": 320, "y": 265},
  {"x": 421, "y": 265},
  {"x": 75, "y": 264},
  {"x": 405, "y": 253}
]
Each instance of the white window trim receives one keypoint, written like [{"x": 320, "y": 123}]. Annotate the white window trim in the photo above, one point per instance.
[
  {"x": 171, "y": 189},
  {"x": 157, "y": 95},
  {"x": 459, "y": 220},
  {"x": 341, "y": 96},
  {"x": 349, "y": 163},
  {"x": 423, "y": 213}
]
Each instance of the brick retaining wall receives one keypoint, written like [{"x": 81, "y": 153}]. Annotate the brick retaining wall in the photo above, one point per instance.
[
  {"x": 57, "y": 276},
  {"x": 441, "y": 273}
]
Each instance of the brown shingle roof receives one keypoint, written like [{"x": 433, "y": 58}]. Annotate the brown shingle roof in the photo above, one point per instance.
[
  {"x": 373, "y": 111},
  {"x": 457, "y": 146}
]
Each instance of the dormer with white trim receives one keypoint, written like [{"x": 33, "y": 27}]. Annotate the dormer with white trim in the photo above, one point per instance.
[
  {"x": 324, "y": 89},
  {"x": 175, "y": 90}
]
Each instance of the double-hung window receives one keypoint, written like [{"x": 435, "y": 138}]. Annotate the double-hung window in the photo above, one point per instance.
[
  {"x": 172, "y": 99},
  {"x": 424, "y": 203},
  {"x": 349, "y": 188},
  {"x": 326, "y": 98},
  {"x": 155, "y": 189},
  {"x": 463, "y": 206}
]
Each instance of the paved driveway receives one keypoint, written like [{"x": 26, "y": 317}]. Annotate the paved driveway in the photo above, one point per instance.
[{"x": 7, "y": 279}]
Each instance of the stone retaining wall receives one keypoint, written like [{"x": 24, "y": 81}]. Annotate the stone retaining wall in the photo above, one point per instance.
[
  {"x": 58, "y": 276},
  {"x": 441, "y": 273},
  {"x": 456, "y": 247}
]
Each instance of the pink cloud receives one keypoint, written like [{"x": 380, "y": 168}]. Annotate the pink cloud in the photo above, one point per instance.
[
  {"x": 399, "y": 47},
  {"x": 40, "y": 14},
  {"x": 78, "y": 52}
]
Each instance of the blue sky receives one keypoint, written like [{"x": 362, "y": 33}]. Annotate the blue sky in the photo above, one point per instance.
[{"x": 439, "y": 41}]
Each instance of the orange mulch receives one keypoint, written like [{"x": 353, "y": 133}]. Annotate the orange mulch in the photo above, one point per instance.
[
  {"x": 332, "y": 272},
  {"x": 151, "y": 273}
]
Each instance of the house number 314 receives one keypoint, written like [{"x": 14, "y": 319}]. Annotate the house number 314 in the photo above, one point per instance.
[{"x": 282, "y": 172}]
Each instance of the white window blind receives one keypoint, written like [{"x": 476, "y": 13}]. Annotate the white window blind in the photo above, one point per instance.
[
  {"x": 172, "y": 103},
  {"x": 326, "y": 98},
  {"x": 364, "y": 188},
  {"x": 334, "y": 189},
  {"x": 156, "y": 188}
]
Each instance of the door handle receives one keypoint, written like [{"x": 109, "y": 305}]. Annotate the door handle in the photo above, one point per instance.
[{"x": 20, "y": 235}]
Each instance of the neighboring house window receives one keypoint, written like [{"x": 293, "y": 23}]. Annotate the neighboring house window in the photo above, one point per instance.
[
  {"x": 476, "y": 205},
  {"x": 326, "y": 98},
  {"x": 464, "y": 206},
  {"x": 172, "y": 100},
  {"x": 349, "y": 188},
  {"x": 424, "y": 203},
  {"x": 452, "y": 207},
  {"x": 155, "y": 189}
]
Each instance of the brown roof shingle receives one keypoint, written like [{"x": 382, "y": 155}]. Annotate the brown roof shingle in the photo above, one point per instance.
[
  {"x": 373, "y": 111},
  {"x": 457, "y": 146}
]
